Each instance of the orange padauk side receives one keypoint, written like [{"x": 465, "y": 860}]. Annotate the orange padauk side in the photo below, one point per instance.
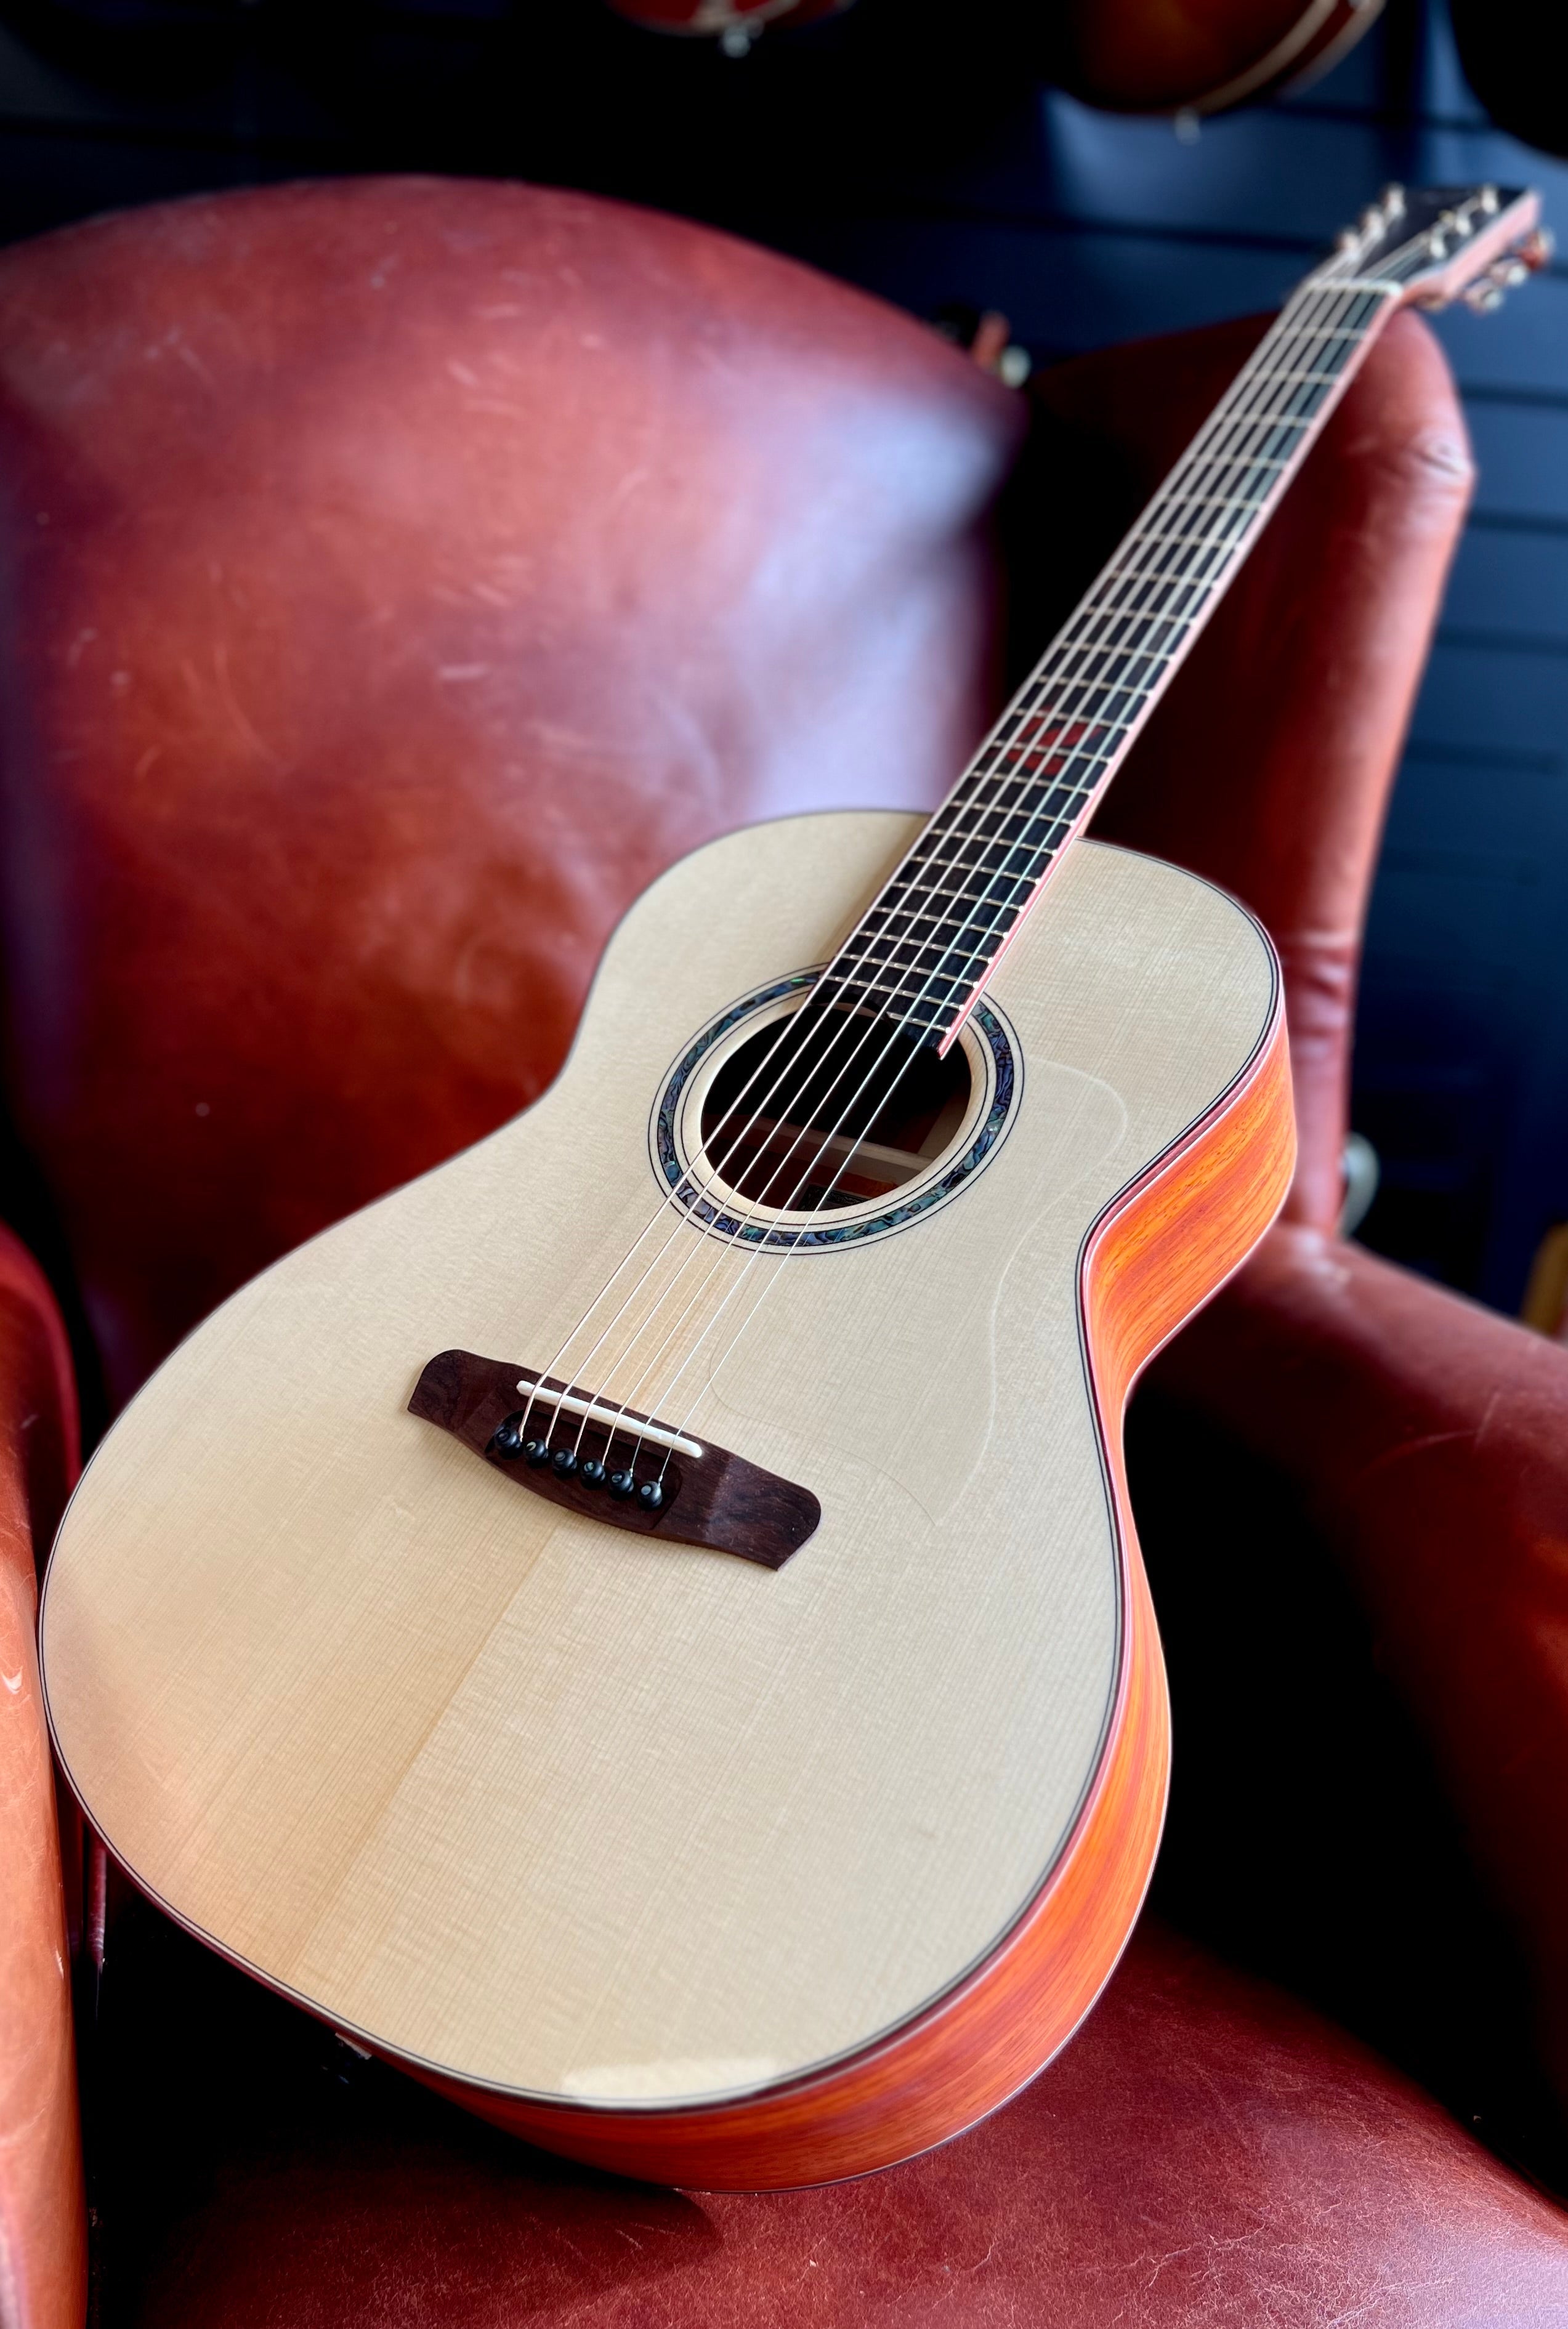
[{"x": 1154, "y": 1255}]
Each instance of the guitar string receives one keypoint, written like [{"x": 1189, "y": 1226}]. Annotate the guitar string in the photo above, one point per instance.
[
  {"x": 1044, "y": 686},
  {"x": 1288, "y": 327},
  {"x": 1362, "y": 337},
  {"x": 1207, "y": 546},
  {"x": 1258, "y": 379},
  {"x": 746, "y": 1321},
  {"x": 1209, "y": 451},
  {"x": 1293, "y": 325}
]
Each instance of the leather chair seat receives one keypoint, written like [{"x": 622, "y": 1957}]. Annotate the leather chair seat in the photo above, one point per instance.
[{"x": 1207, "y": 2151}]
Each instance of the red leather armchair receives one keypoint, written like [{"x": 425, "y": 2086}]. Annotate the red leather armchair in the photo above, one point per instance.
[{"x": 401, "y": 574}]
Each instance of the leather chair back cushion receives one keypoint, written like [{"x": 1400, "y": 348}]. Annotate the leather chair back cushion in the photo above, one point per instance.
[{"x": 400, "y": 574}]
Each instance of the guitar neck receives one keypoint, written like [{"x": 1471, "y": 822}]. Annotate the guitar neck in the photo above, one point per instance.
[{"x": 925, "y": 949}]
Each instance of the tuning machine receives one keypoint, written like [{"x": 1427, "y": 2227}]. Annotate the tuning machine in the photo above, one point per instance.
[{"x": 1506, "y": 274}]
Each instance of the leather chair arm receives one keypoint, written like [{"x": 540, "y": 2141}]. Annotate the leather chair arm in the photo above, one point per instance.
[
  {"x": 1428, "y": 1437},
  {"x": 43, "y": 2220}
]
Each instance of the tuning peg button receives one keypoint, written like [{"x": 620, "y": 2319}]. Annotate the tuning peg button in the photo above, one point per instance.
[
  {"x": 1483, "y": 296},
  {"x": 1535, "y": 251}
]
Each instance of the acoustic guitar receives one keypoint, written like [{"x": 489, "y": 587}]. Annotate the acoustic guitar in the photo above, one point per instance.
[{"x": 643, "y": 1628}]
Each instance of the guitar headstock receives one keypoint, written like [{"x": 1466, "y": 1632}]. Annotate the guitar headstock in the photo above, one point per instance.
[{"x": 1444, "y": 243}]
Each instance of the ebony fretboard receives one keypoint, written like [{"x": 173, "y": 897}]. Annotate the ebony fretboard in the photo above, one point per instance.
[{"x": 924, "y": 950}]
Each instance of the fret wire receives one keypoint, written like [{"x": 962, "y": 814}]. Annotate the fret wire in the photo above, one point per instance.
[
  {"x": 993, "y": 875},
  {"x": 1212, "y": 500},
  {"x": 1063, "y": 781},
  {"x": 1138, "y": 576},
  {"x": 1220, "y": 471},
  {"x": 909, "y": 914},
  {"x": 937, "y": 1021},
  {"x": 967, "y": 946},
  {"x": 1238, "y": 527},
  {"x": 1130, "y": 658},
  {"x": 1203, "y": 456},
  {"x": 1327, "y": 330},
  {"x": 1021, "y": 887},
  {"x": 1003, "y": 870},
  {"x": 1117, "y": 603},
  {"x": 882, "y": 986},
  {"x": 1029, "y": 817},
  {"x": 1214, "y": 510},
  {"x": 1121, "y": 577},
  {"x": 1043, "y": 734},
  {"x": 1059, "y": 783},
  {"x": 919, "y": 947},
  {"x": 1043, "y": 850},
  {"x": 1024, "y": 851},
  {"x": 1237, "y": 407},
  {"x": 1042, "y": 747},
  {"x": 1072, "y": 755},
  {"x": 972, "y": 897}
]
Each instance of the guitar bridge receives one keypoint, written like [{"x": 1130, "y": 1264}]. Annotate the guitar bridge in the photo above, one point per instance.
[{"x": 612, "y": 1465}]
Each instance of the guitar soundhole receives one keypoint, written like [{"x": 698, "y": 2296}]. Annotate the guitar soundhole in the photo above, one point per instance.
[{"x": 833, "y": 1112}]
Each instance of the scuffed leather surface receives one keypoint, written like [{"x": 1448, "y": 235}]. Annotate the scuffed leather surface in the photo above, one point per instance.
[
  {"x": 401, "y": 574},
  {"x": 1268, "y": 766},
  {"x": 1428, "y": 1440},
  {"x": 43, "y": 2225},
  {"x": 1205, "y": 2153}
]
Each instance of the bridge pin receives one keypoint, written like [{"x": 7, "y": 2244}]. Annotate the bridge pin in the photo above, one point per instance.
[
  {"x": 622, "y": 1483},
  {"x": 650, "y": 1495},
  {"x": 537, "y": 1452},
  {"x": 592, "y": 1474},
  {"x": 563, "y": 1463},
  {"x": 508, "y": 1439}
]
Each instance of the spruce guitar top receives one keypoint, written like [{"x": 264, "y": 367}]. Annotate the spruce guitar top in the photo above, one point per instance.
[{"x": 642, "y": 1626}]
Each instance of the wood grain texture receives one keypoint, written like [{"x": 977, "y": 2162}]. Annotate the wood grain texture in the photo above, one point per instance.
[{"x": 612, "y": 1841}]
